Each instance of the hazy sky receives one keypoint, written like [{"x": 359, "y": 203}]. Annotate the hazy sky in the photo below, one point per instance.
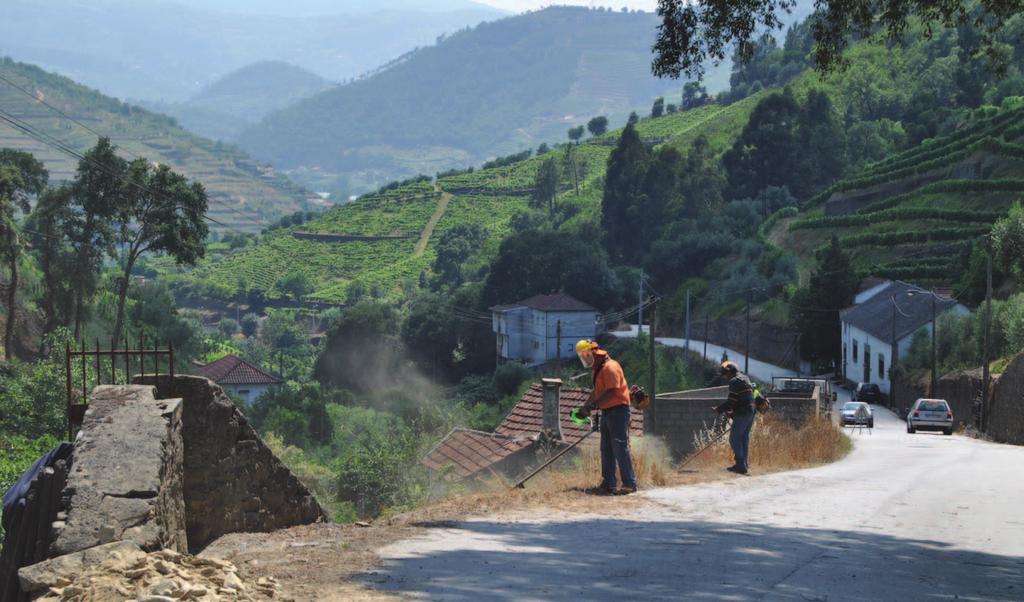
[{"x": 521, "y": 5}]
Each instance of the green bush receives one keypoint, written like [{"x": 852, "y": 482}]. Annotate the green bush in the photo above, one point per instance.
[
  {"x": 17, "y": 453},
  {"x": 509, "y": 376}
]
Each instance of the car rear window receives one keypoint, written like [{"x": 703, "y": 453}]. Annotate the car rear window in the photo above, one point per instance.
[
  {"x": 933, "y": 406},
  {"x": 871, "y": 388}
]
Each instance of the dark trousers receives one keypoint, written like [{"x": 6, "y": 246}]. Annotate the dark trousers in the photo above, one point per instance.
[
  {"x": 739, "y": 439},
  {"x": 615, "y": 447}
]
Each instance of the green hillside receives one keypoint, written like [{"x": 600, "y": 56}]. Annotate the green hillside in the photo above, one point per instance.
[
  {"x": 909, "y": 215},
  {"x": 494, "y": 89},
  {"x": 486, "y": 197},
  {"x": 243, "y": 97},
  {"x": 243, "y": 194}
]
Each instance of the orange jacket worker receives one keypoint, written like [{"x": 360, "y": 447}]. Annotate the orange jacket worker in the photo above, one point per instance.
[{"x": 610, "y": 394}]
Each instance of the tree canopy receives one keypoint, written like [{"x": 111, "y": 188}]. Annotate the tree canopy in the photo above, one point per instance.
[{"x": 692, "y": 34}]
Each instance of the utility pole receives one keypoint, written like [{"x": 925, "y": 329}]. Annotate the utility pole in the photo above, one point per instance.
[
  {"x": 687, "y": 319},
  {"x": 987, "y": 336},
  {"x": 558, "y": 345},
  {"x": 894, "y": 353},
  {"x": 706, "y": 319},
  {"x": 935, "y": 375},
  {"x": 746, "y": 357},
  {"x": 640, "y": 304},
  {"x": 652, "y": 385}
]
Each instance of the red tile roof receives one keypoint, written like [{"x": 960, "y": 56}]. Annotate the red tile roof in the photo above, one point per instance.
[
  {"x": 552, "y": 302},
  {"x": 468, "y": 451},
  {"x": 233, "y": 370},
  {"x": 527, "y": 417}
]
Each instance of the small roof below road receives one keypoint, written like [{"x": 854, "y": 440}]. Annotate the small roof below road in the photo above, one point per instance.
[
  {"x": 233, "y": 370},
  {"x": 553, "y": 302}
]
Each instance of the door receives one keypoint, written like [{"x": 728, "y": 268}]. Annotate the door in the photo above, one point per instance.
[{"x": 867, "y": 363}]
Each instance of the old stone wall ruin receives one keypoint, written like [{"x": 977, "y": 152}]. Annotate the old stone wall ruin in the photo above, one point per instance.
[
  {"x": 232, "y": 481},
  {"x": 126, "y": 477}
]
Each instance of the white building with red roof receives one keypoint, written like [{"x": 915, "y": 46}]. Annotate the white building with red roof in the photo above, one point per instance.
[
  {"x": 543, "y": 328},
  {"x": 239, "y": 378}
]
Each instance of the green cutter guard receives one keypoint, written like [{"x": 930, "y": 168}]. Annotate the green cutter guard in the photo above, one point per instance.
[{"x": 576, "y": 418}]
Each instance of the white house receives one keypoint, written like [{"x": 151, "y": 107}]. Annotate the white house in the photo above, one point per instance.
[
  {"x": 238, "y": 378},
  {"x": 543, "y": 328},
  {"x": 870, "y": 334}
]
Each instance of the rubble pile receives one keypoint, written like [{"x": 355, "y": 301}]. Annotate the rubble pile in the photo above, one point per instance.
[{"x": 128, "y": 573}]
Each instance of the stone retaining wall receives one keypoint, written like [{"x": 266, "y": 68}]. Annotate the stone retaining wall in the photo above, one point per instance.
[
  {"x": 233, "y": 482},
  {"x": 681, "y": 416},
  {"x": 1006, "y": 409},
  {"x": 126, "y": 480}
]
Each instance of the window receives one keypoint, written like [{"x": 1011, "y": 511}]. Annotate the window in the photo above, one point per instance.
[
  {"x": 855, "y": 351},
  {"x": 881, "y": 366},
  {"x": 243, "y": 392}
]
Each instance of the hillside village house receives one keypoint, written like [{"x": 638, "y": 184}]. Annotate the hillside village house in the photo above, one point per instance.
[
  {"x": 543, "y": 328},
  {"x": 239, "y": 378},
  {"x": 868, "y": 329}
]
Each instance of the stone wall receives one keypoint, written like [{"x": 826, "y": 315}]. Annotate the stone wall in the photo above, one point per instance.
[
  {"x": 233, "y": 482},
  {"x": 768, "y": 342},
  {"x": 679, "y": 419},
  {"x": 126, "y": 481},
  {"x": 1006, "y": 409}
]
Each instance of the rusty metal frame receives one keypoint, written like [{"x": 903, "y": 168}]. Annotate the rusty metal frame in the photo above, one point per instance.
[{"x": 75, "y": 411}]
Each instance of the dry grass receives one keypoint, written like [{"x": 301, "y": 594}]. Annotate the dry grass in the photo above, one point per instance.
[
  {"x": 320, "y": 562},
  {"x": 778, "y": 445}
]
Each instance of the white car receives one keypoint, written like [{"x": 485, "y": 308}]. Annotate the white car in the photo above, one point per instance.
[
  {"x": 930, "y": 415},
  {"x": 856, "y": 413}
]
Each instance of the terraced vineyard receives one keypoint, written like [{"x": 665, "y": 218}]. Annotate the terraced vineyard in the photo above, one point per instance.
[
  {"x": 242, "y": 193},
  {"x": 487, "y": 197},
  {"x": 909, "y": 215}
]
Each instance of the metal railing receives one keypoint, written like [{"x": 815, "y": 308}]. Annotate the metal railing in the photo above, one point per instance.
[{"x": 94, "y": 358}]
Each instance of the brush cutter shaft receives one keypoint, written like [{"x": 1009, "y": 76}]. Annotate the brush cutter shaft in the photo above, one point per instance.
[
  {"x": 701, "y": 450},
  {"x": 550, "y": 461}
]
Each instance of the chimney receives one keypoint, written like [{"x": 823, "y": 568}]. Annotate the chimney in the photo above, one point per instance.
[{"x": 552, "y": 407}]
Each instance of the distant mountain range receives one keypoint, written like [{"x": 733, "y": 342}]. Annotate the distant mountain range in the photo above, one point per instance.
[
  {"x": 164, "y": 51},
  {"x": 500, "y": 87},
  {"x": 242, "y": 98},
  {"x": 244, "y": 194}
]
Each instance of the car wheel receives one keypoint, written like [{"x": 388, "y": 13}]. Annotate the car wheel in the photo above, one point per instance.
[
  {"x": 910, "y": 429},
  {"x": 948, "y": 431},
  {"x": 871, "y": 424}
]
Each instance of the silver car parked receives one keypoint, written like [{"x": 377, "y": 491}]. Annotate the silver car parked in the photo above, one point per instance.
[
  {"x": 930, "y": 415},
  {"x": 857, "y": 413}
]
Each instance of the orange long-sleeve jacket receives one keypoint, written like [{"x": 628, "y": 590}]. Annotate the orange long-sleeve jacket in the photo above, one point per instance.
[{"x": 608, "y": 376}]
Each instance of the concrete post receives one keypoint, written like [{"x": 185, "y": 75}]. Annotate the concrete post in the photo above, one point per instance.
[{"x": 552, "y": 392}]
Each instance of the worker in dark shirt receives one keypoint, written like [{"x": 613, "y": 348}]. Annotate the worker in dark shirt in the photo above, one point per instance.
[{"x": 740, "y": 406}]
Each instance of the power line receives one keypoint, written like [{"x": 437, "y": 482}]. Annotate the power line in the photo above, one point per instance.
[{"x": 99, "y": 135}]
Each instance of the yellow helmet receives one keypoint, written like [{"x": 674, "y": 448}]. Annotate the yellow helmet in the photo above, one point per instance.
[
  {"x": 585, "y": 345},
  {"x": 729, "y": 366}
]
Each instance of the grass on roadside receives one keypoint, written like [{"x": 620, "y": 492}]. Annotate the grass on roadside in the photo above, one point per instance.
[{"x": 778, "y": 445}]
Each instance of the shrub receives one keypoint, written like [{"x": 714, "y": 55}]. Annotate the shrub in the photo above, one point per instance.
[
  {"x": 250, "y": 324},
  {"x": 509, "y": 376}
]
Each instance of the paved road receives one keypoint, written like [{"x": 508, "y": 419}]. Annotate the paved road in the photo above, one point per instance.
[
  {"x": 902, "y": 517},
  {"x": 758, "y": 369}
]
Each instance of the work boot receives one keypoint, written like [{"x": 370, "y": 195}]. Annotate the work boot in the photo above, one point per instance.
[
  {"x": 737, "y": 469},
  {"x": 626, "y": 490},
  {"x": 601, "y": 490}
]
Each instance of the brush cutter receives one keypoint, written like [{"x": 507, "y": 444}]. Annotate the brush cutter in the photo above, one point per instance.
[
  {"x": 709, "y": 444},
  {"x": 578, "y": 416}
]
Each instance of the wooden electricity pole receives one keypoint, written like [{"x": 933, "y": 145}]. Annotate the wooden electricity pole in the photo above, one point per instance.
[
  {"x": 652, "y": 389},
  {"x": 987, "y": 339}
]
